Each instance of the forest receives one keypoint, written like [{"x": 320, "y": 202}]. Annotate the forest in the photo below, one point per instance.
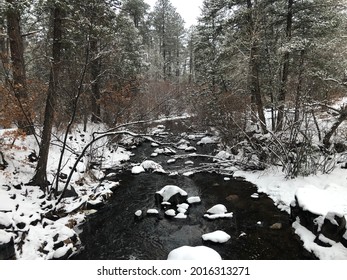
[{"x": 269, "y": 75}]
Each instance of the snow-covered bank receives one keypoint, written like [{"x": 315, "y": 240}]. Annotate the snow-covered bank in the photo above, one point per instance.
[
  {"x": 319, "y": 194},
  {"x": 27, "y": 228}
]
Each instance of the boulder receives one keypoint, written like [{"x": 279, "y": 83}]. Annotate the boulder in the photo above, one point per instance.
[
  {"x": 334, "y": 226},
  {"x": 307, "y": 219},
  {"x": 7, "y": 251},
  {"x": 70, "y": 192},
  {"x": 328, "y": 229}
]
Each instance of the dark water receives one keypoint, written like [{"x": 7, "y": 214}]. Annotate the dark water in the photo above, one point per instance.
[{"x": 114, "y": 233}]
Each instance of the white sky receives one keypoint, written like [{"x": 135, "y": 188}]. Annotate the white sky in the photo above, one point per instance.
[{"x": 188, "y": 9}]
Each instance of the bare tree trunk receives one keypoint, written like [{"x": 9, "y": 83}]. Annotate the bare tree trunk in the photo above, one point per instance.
[
  {"x": 4, "y": 50},
  {"x": 285, "y": 69},
  {"x": 254, "y": 84},
  {"x": 95, "y": 74},
  {"x": 338, "y": 122},
  {"x": 40, "y": 177},
  {"x": 299, "y": 87},
  {"x": 19, "y": 84}
]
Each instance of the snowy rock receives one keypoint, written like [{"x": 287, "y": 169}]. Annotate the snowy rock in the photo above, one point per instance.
[
  {"x": 188, "y": 173},
  {"x": 171, "y": 192},
  {"x": 137, "y": 169},
  {"x": 6, "y": 246},
  {"x": 152, "y": 212},
  {"x": 154, "y": 154},
  {"x": 189, "y": 162},
  {"x": 334, "y": 226},
  {"x": 226, "y": 178},
  {"x": 223, "y": 155},
  {"x": 183, "y": 205},
  {"x": 5, "y": 237},
  {"x": 153, "y": 144},
  {"x": 255, "y": 195},
  {"x": 217, "y": 209},
  {"x": 63, "y": 253},
  {"x": 182, "y": 208},
  {"x": 218, "y": 216},
  {"x": 180, "y": 216},
  {"x": 173, "y": 174},
  {"x": 170, "y": 213},
  {"x": 5, "y": 221},
  {"x": 193, "y": 199},
  {"x": 150, "y": 165},
  {"x": 190, "y": 149},
  {"x": 171, "y": 160},
  {"x": 165, "y": 203},
  {"x": 327, "y": 228},
  {"x": 138, "y": 213},
  {"x": 165, "y": 151},
  {"x": 194, "y": 253},
  {"x": 217, "y": 236},
  {"x": 208, "y": 140}
]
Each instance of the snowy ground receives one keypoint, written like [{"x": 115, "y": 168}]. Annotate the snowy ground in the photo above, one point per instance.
[{"x": 23, "y": 209}]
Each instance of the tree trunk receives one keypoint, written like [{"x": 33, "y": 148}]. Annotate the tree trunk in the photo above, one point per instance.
[
  {"x": 338, "y": 122},
  {"x": 254, "y": 85},
  {"x": 95, "y": 74},
  {"x": 40, "y": 177},
  {"x": 19, "y": 84},
  {"x": 285, "y": 68},
  {"x": 299, "y": 87}
]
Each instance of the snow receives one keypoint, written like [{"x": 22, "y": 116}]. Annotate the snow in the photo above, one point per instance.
[
  {"x": 218, "y": 216},
  {"x": 152, "y": 211},
  {"x": 190, "y": 149},
  {"x": 180, "y": 216},
  {"x": 60, "y": 252},
  {"x": 217, "y": 236},
  {"x": 182, "y": 208},
  {"x": 217, "y": 209},
  {"x": 170, "y": 190},
  {"x": 193, "y": 199},
  {"x": 172, "y": 160},
  {"x": 22, "y": 215},
  {"x": 255, "y": 195},
  {"x": 336, "y": 252},
  {"x": 188, "y": 173},
  {"x": 320, "y": 201},
  {"x": 208, "y": 140},
  {"x": 5, "y": 237},
  {"x": 138, "y": 213},
  {"x": 137, "y": 169},
  {"x": 194, "y": 253},
  {"x": 153, "y": 166},
  {"x": 170, "y": 212},
  {"x": 223, "y": 155}
]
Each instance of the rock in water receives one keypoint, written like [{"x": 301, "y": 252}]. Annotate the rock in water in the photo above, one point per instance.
[{"x": 194, "y": 253}]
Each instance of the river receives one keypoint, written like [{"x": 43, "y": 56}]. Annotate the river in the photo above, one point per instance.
[{"x": 115, "y": 233}]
